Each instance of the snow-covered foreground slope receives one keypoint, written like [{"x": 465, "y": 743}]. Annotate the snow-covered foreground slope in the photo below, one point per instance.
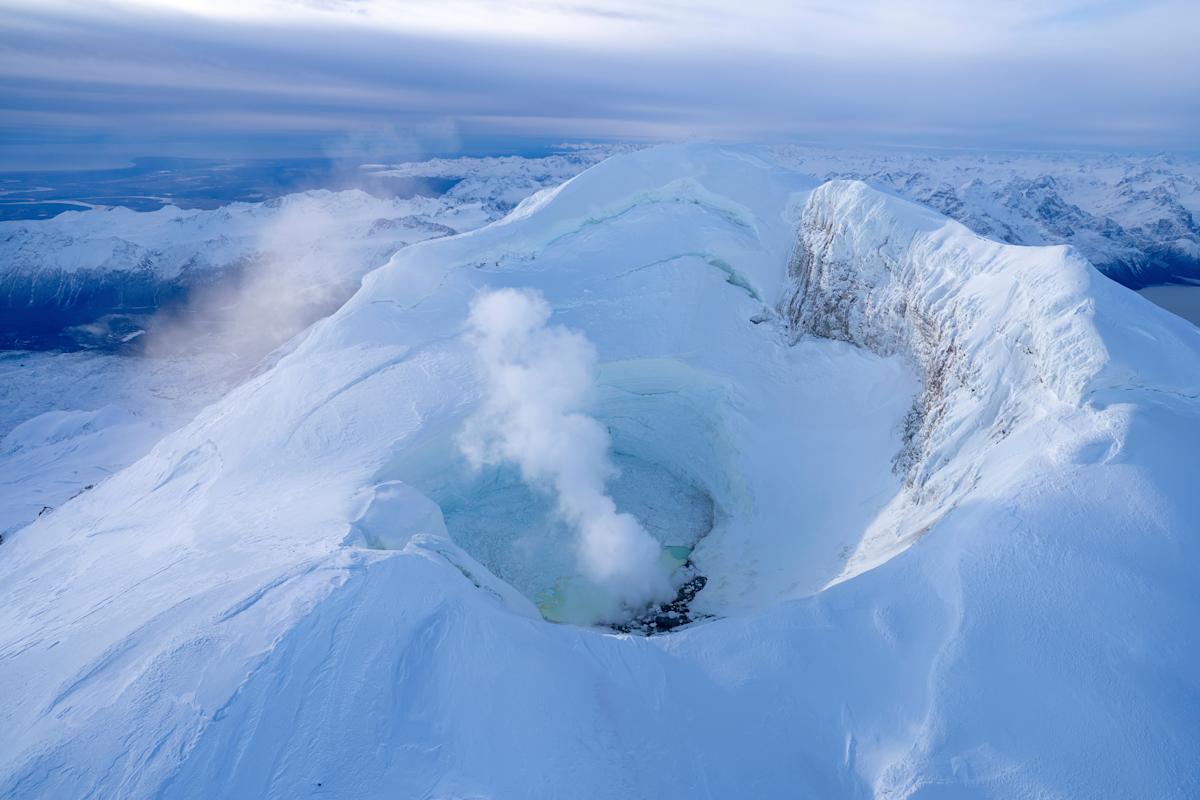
[
  {"x": 70, "y": 420},
  {"x": 940, "y": 488}
]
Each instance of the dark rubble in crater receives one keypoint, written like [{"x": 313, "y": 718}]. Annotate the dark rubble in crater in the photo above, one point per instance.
[{"x": 671, "y": 615}]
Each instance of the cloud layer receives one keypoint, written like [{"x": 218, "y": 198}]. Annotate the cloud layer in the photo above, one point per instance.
[{"x": 1068, "y": 72}]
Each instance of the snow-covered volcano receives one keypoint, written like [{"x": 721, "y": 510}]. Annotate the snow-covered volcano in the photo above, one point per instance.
[{"x": 940, "y": 489}]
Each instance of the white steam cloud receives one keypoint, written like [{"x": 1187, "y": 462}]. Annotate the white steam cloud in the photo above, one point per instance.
[
  {"x": 538, "y": 377},
  {"x": 296, "y": 272}
]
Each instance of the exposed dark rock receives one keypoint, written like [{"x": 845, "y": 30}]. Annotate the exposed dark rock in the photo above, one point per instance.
[{"x": 672, "y": 615}]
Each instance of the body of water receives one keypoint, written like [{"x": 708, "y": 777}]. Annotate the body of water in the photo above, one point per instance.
[{"x": 1183, "y": 301}]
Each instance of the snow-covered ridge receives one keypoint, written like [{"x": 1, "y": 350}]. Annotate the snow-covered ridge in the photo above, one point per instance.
[
  {"x": 999, "y": 333},
  {"x": 213, "y": 621},
  {"x": 896, "y": 278},
  {"x": 1133, "y": 216},
  {"x": 499, "y": 183}
]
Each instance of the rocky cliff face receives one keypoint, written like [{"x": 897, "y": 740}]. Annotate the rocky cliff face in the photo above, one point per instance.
[{"x": 1000, "y": 334}]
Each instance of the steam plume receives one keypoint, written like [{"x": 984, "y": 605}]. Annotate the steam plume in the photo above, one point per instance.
[
  {"x": 538, "y": 377},
  {"x": 299, "y": 273}
]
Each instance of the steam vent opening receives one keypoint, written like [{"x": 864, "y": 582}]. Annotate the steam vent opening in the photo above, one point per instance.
[
  {"x": 752, "y": 500},
  {"x": 514, "y": 530},
  {"x": 663, "y": 421},
  {"x": 643, "y": 494}
]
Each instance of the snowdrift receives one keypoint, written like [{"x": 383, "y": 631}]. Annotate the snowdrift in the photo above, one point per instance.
[{"x": 940, "y": 488}]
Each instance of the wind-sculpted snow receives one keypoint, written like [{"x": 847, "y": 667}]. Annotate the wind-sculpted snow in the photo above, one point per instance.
[
  {"x": 307, "y": 591},
  {"x": 70, "y": 420}
]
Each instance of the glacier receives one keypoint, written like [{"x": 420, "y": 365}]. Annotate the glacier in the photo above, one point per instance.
[{"x": 939, "y": 486}]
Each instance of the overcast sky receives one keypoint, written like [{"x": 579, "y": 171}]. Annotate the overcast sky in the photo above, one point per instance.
[{"x": 114, "y": 78}]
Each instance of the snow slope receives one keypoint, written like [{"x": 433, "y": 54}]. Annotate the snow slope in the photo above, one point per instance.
[
  {"x": 950, "y": 546},
  {"x": 208, "y": 293},
  {"x": 70, "y": 420}
]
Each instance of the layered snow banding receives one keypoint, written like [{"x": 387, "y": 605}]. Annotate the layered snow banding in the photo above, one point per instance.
[{"x": 940, "y": 488}]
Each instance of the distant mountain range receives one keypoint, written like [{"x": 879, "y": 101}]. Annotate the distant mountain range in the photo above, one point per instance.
[
  {"x": 90, "y": 277},
  {"x": 1133, "y": 217}
]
